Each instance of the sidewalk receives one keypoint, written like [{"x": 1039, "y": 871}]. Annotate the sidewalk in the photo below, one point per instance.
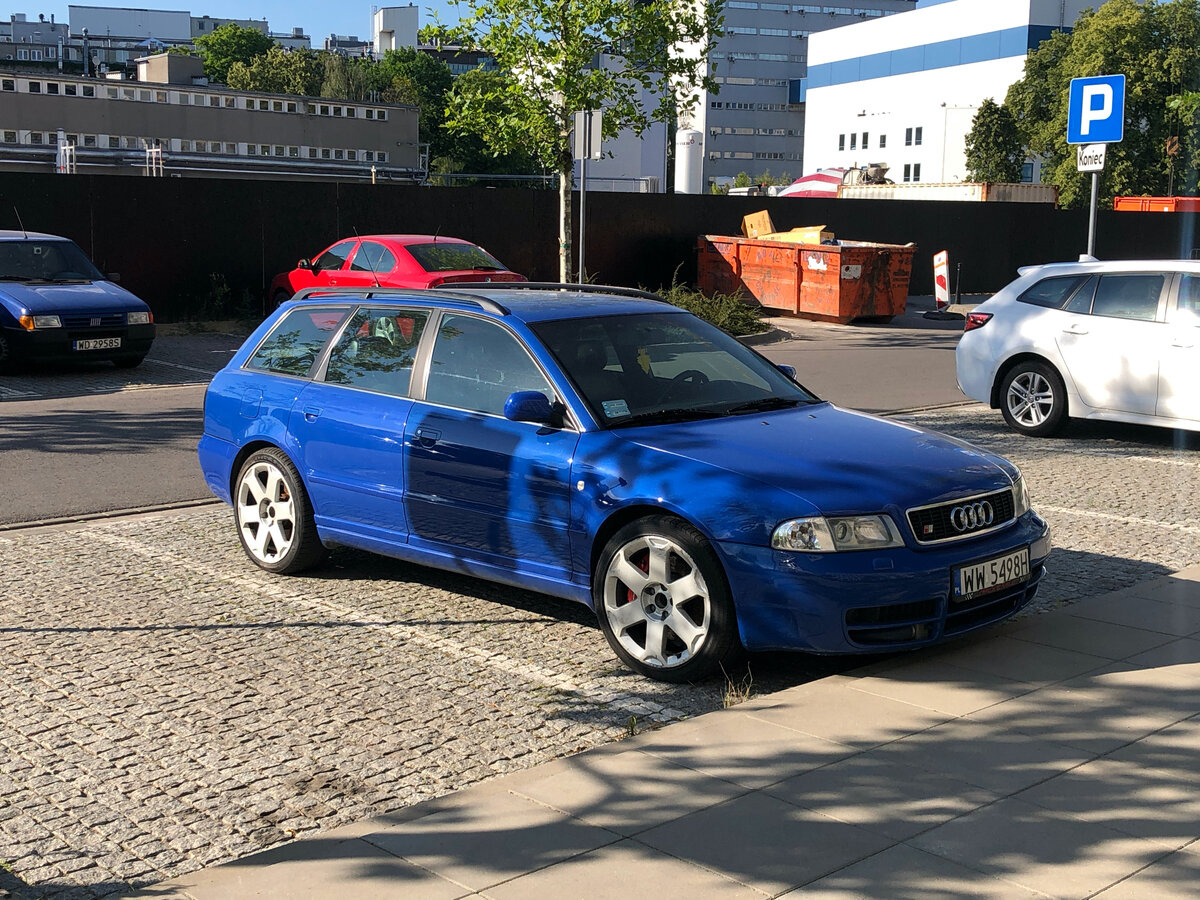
[{"x": 1051, "y": 756}]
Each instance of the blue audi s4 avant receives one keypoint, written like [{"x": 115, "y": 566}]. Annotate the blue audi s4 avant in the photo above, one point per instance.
[{"x": 601, "y": 445}]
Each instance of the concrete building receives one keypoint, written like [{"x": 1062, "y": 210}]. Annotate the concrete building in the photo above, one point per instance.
[
  {"x": 394, "y": 27},
  {"x": 43, "y": 41},
  {"x": 904, "y": 91},
  {"x": 757, "y": 121},
  {"x": 169, "y": 124}
]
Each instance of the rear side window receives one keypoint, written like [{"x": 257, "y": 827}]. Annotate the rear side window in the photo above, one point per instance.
[
  {"x": 447, "y": 257},
  {"x": 377, "y": 350},
  {"x": 1128, "y": 296},
  {"x": 1189, "y": 294},
  {"x": 1053, "y": 293},
  {"x": 296, "y": 341}
]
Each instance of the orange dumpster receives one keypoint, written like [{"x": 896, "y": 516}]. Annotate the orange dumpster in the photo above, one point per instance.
[{"x": 831, "y": 282}]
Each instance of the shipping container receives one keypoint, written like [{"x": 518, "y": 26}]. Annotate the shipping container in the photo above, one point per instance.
[
  {"x": 966, "y": 191},
  {"x": 1156, "y": 204}
]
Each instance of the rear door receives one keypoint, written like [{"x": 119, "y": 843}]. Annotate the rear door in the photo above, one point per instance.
[
  {"x": 1179, "y": 371},
  {"x": 1111, "y": 345}
]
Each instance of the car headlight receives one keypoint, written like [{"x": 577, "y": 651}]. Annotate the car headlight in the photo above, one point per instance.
[
  {"x": 29, "y": 323},
  {"x": 138, "y": 318},
  {"x": 1020, "y": 498},
  {"x": 818, "y": 534}
]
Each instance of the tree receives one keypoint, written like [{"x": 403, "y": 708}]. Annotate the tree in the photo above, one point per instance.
[
  {"x": 408, "y": 76},
  {"x": 346, "y": 78},
  {"x": 995, "y": 151},
  {"x": 1157, "y": 47},
  {"x": 547, "y": 52},
  {"x": 279, "y": 71},
  {"x": 229, "y": 44}
]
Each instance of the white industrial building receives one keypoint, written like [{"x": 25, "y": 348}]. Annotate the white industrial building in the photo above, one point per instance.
[
  {"x": 394, "y": 27},
  {"x": 904, "y": 91}
]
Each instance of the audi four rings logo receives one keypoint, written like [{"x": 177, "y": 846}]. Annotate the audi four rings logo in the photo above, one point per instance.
[{"x": 970, "y": 516}]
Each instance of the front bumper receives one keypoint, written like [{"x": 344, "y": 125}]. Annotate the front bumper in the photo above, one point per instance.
[
  {"x": 869, "y": 602},
  {"x": 58, "y": 344}
]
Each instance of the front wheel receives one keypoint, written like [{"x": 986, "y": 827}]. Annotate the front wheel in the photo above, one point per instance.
[
  {"x": 281, "y": 297},
  {"x": 663, "y": 601},
  {"x": 1033, "y": 399},
  {"x": 273, "y": 514}
]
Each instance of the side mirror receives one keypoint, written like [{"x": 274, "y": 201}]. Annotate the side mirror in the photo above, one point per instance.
[
  {"x": 114, "y": 277},
  {"x": 528, "y": 406},
  {"x": 304, "y": 264},
  {"x": 789, "y": 371}
]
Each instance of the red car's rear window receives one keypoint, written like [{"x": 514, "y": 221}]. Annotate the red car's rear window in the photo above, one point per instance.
[{"x": 447, "y": 257}]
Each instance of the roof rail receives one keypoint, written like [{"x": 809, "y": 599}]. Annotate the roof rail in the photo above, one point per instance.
[
  {"x": 551, "y": 286},
  {"x": 367, "y": 293}
]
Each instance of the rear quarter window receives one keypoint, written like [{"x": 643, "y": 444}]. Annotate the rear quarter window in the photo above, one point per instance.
[
  {"x": 296, "y": 341},
  {"x": 1053, "y": 293}
]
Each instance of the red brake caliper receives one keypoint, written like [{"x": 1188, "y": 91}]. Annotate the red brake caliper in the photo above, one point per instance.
[{"x": 642, "y": 561}]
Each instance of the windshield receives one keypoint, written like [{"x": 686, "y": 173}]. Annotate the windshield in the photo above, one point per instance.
[
  {"x": 664, "y": 367},
  {"x": 448, "y": 257},
  {"x": 45, "y": 260}
]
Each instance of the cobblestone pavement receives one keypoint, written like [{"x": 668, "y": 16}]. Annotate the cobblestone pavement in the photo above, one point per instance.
[{"x": 168, "y": 706}]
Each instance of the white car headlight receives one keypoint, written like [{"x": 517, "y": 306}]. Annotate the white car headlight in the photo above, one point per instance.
[
  {"x": 30, "y": 323},
  {"x": 137, "y": 318},
  {"x": 818, "y": 534},
  {"x": 1020, "y": 498}
]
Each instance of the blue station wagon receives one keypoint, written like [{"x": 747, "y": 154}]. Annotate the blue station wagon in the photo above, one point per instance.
[
  {"x": 603, "y": 446},
  {"x": 56, "y": 306}
]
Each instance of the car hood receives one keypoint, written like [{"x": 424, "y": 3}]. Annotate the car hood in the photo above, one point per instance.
[
  {"x": 88, "y": 296},
  {"x": 839, "y": 461}
]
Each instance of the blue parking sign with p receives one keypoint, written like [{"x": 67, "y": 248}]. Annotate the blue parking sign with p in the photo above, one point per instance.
[{"x": 1096, "y": 110}]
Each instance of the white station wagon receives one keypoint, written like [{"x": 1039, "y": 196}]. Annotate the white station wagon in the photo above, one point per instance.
[{"x": 1109, "y": 340}]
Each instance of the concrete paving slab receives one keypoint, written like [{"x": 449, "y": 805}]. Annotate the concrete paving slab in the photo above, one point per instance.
[
  {"x": 628, "y": 792},
  {"x": 765, "y": 842},
  {"x": 878, "y": 793},
  {"x": 1040, "y": 849},
  {"x": 906, "y": 873},
  {"x": 1005, "y": 657},
  {"x": 1172, "y": 749},
  {"x": 1172, "y": 878},
  {"x": 1090, "y": 636},
  {"x": 1171, "y": 618},
  {"x": 621, "y": 871},
  {"x": 1172, "y": 589},
  {"x": 486, "y": 838},
  {"x": 941, "y": 687},
  {"x": 743, "y": 749}
]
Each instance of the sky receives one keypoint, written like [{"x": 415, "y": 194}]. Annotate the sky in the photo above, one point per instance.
[{"x": 318, "y": 18}]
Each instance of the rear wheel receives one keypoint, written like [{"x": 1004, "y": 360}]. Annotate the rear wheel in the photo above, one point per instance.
[
  {"x": 1033, "y": 399},
  {"x": 663, "y": 601},
  {"x": 281, "y": 296},
  {"x": 273, "y": 514}
]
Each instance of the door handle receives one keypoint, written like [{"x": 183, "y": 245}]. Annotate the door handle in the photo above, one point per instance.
[
  {"x": 1075, "y": 329},
  {"x": 311, "y": 413},
  {"x": 1179, "y": 343},
  {"x": 428, "y": 436}
]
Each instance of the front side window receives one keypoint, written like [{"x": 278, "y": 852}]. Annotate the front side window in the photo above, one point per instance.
[
  {"x": 477, "y": 364},
  {"x": 376, "y": 351},
  {"x": 1128, "y": 296},
  {"x": 333, "y": 258},
  {"x": 296, "y": 341}
]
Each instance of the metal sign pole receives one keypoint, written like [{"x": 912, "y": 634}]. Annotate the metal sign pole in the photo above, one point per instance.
[
  {"x": 587, "y": 151},
  {"x": 1092, "y": 220}
]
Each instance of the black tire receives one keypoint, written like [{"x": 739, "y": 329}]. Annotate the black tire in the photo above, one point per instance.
[
  {"x": 6, "y": 360},
  {"x": 128, "y": 362},
  {"x": 273, "y": 514},
  {"x": 691, "y": 610},
  {"x": 279, "y": 298},
  {"x": 1033, "y": 399}
]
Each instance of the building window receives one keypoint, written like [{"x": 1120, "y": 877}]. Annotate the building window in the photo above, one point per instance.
[
  {"x": 89, "y": 90},
  {"x": 71, "y": 90},
  {"x": 22, "y": 53},
  {"x": 279, "y": 151},
  {"x": 338, "y": 154},
  {"x": 841, "y": 142},
  {"x": 10, "y": 137},
  {"x": 251, "y": 150},
  {"x": 351, "y": 112},
  {"x": 1027, "y": 173},
  {"x": 114, "y": 142},
  {"x": 35, "y": 87},
  {"x": 882, "y": 141},
  {"x": 263, "y": 105},
  {"x": 381, "y": 115},
  {"x": 8, "y": 84},
  {"x": 853, "y": 141},
  {"x": 325, "y": 154},
  {"x": 231, "y": 102},
  {"x": 277, "y": 105},
  {"x": 291, "y": 107},
  {"x": 917, "y": 137},
  {"x": 312, "y": 152},
  {"x": 294, "y": 152},
  {"x": 368, "y": 156},
  {"x": 864, "y": 144},
  {"x": 370, "y": 113},
  {"x": 160, "y": 96},
  {"x": 381, "y": 156},
  {"x": 89, "y": 140},
  {"x": 51, "y": 87},
  {"x": 324, "y": 109},
  {"x": 908, "y": 172},
  {"x": 907, "y": 137},
  {"x": 916, "y": 171}
]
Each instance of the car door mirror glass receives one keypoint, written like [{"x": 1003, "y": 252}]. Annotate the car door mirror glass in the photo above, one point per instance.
[
  {"x": 304, "y": 264},
  {"x": 528, "y": 406}
]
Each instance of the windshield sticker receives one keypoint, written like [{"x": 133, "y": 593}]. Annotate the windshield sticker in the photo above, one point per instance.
[{"x": 614, "y": 409}]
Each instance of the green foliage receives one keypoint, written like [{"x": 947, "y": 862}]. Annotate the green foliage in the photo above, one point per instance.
[
  {"x": 435, "y": 35},
  {"x": 1157, "y": 47},
  {"x": 279, "y": 71},
  {"x": 546, "y": 51},
  {"x": 230, "y": 44},
  {"x": 995, "y": 151},
  {"x": 347, "y": 78},
  {"x": 729, "y": 312},
  {"x": 408, "y": 76}
]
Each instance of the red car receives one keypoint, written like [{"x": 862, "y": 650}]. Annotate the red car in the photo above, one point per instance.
[{"x": 392, "y": 260}]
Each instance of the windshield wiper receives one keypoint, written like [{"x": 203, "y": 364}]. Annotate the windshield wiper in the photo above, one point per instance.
[
  {"x": 765, "y": 404},
  {"x": 665, "y": 416},
  {"x": 22, "y": 278}
]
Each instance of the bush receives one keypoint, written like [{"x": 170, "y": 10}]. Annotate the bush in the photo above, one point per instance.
[{"x": 729, "y": 312}]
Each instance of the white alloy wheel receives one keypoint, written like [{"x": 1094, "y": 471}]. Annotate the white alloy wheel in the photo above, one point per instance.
[
  {"x": 1030, "y": 399},
  {"x": 273, "y": 515}
]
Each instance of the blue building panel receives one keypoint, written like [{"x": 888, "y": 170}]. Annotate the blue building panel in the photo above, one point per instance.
[
  {"x": 877, "y": 65},
  {"x": 845, "y": 71},
  {"x": 797, "y": 90},
  {"x": 908, "y": 59},
  {"x": 943, "y": 54},
  {"x": 983, "y": 47}
]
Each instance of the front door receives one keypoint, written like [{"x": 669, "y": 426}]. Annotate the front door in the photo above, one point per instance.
[{"x": 1179, "y": 371}]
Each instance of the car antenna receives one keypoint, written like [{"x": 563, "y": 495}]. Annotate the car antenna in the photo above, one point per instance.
[
  {"x": 19, "y": 222},
  {"x": 372, "y": 269}
]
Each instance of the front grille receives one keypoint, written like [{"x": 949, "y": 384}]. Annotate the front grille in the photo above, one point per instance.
[
  {"x": 83, "y": 320},
  {"x": 912, "y": 624},
  {"x": 931, "y": 524}
]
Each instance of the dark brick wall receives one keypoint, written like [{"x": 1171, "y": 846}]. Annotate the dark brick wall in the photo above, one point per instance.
[{"x": 168, "y": 237}]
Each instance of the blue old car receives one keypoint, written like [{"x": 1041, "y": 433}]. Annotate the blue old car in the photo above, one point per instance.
[
  {"x": 601, "y": 445},
  {"x": 55, "y": 305}
]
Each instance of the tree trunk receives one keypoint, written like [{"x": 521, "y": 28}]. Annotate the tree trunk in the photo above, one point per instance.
[{"x": 566, "y": 173}]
